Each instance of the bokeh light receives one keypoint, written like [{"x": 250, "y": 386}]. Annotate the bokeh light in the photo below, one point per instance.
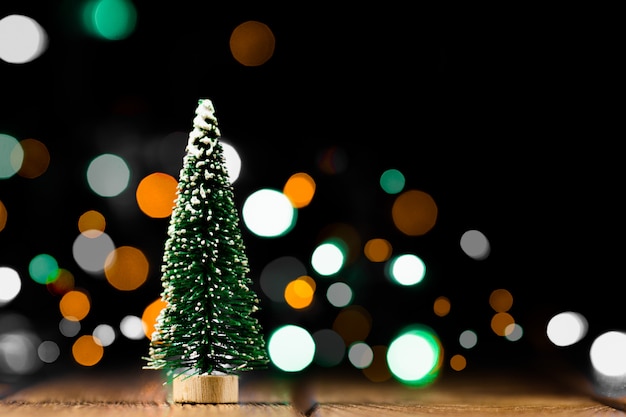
[
  {"x": 10, "y": 285},
  {"x": 109, "y": 19},
  {"x": 406, "y": 269},
  {"x": 87, "y": 351},
  {"x": 126, "y": 268},
  {"x": 458, "y": 362},
  {"x": 501, "y": 322},
  {"x": 3, "y": 216},
  {"x": 330, "y": 348},
  {"x": 252, "y": 43},
  {"x": 360, "y": 355},
  {"x": 377, "y": 250},
  {"x": 566, "y": 328},
  {"x": 353, "y": 324},
  {"x": 232, "y": 161},
  {"x": 156, "y": 194},
  {"x": 90, "y": 253},
  {"x": 513, "y": 332},
  {"x": 378, "y": 371},
  {"x": 11, "y": 156},
  {"x": 36, "y": 159},
  {"x": 48, "y": 351},
  {"x": 268, "y": 213},
  {"x": 442, "y": 306},
  {"x": 132, "y": 327},
  {"x": 150, "y": 315},
  {"x": 475, "y": 244},
  {"x": 607, "y": 354},
  {"x": 18, "y": 352},
  {"x": 291, "y": 348},
  {"x": 299, "y": 293},
  {"x": 108, "y": 175},
  {"x": 300, "y": 189},
  {"x": 69, "y": 328},
  {"x": 75, "y": 305},
  {"x": 63, "y": 283},
  {"x": 414, "y": 356},
  {"x": 327, "y": 258},
  {"x": 339, "y": 294},
  {"x": 104, "y": 334},
  {"x": 332, "y": 160},
  {"x": 23, "y": 39},
  {"x": 392, "y": 181},
  {"x": 468, "y": 339},
  {"x": 43, "y": 268},
  {"x": 414, "y": 212},
  {"x": 277, "y": 274},
  {"x": 501, "y": 300},
  {"x": 91, "y": 223}
]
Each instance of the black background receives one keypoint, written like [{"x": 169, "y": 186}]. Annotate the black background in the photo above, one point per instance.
[{"x": 509, "y": 116}]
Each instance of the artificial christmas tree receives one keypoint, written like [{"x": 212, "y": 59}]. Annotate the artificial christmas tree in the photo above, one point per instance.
[{"x": 207, "y": 333}]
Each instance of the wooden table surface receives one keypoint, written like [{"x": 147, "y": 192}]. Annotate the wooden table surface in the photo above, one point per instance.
[{"x": 142, "y": 393}]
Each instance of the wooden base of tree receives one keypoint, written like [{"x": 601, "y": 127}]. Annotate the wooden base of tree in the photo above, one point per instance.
[{"x": 206, "y": 389}]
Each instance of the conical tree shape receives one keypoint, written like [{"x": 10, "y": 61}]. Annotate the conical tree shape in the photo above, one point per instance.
[{"x": 207, "y": 325}]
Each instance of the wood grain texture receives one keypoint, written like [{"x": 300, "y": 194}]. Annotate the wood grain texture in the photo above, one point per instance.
[{"x": 143, "y": 393}]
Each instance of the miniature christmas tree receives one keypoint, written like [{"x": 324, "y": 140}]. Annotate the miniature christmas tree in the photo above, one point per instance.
[{"x": 207, "y": 328}]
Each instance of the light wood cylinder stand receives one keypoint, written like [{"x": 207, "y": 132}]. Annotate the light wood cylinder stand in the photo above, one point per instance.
[{"x": 206, "y": 389}]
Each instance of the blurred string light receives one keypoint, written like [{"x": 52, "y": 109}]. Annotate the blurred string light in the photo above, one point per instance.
[
  {"x": 269, "y": 213},
  {"x": 502, "y": 322},
  {"x": 414, "y": 212},
  {"x": 442, "y": 306},
  {"x": 353, "y": 324},
  {"x": 104, "y": 334},
  {"x": 377, "y": 250},
  {"x": 475, "y": 245},
  {"x": 339, "y": 294},
  {"x": 69, "y": 328},
  {"x": 91, "y": 224},
  {"x": 232, "y": 161},
  {"x": 328, "y": 258},
  {"x": 132, "y": 327},
  {"x": 414, "y": 355},
  {"x": 566, "y": 328},
  {"x": 360, "y": 355},
  {"x": 87, "y": 350},
  {"x": 458, "y": 362},
  {"x": 329, "y": 348},
  {"x": 150, "y": 315},
  {"x": 378, "y": 371},
  {"x": 108, "y": 175},
  {"x": 90, "y": 253},
  {"x": 75, "y": 305},
  {"x": 126, "y": 268},
  {"x": 109, "y": 19},
  {"x": 299, "y": 292},
  {"x": 10, "y": 285},
  {"x": 300, "y": 189},
  {"x": 43, "y": 268},
  {"x": 468, "y": 339},
  {"x": 406, "y": 269},
  {"x": 3, "y": 216},
  {"x": 11, "y": 156},
  {"x": 291, "y": 348},
  {"x": 63, "y": 283},
  {"x": 18, "y": 352},
  {"x": 22, "y": 39},
  {"x": 607, "y": 354},
  {"x": 392, "y": 181},
  {"x": 36, "y": 159},
  {"x": 277, "y": 274},
  {"x": 48, "y": 351},
  {"x": 155, "y": 195},
  {"x": 252, "y": 43}
]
